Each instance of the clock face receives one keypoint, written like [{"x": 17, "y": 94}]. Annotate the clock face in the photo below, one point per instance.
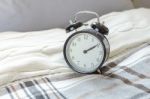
[{"x": 84, "y": 52}]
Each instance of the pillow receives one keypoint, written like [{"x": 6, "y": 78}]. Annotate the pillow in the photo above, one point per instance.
[{"x": 29, "y": 15}]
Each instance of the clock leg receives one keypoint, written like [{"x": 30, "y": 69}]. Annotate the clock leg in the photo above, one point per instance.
[{"x": 98, "y": 71}]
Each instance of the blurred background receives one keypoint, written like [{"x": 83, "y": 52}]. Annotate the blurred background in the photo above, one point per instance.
[
  {"x": 35, "y": 15},
  {"x": 141, "y": 3}
]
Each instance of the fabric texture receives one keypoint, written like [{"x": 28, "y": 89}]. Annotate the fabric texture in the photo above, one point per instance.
[
  {"x": 32, "y": 53},
  {"x": 121, "y": 79},
  {"x": 32, "y": 64}
]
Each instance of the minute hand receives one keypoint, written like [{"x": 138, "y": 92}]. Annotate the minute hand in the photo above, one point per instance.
[{"x": 85, "y": 51}]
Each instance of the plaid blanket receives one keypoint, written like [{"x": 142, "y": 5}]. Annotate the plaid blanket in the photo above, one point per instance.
[
  {"x": 124, "y": 77},
  {"x": 32, "y": 64}
]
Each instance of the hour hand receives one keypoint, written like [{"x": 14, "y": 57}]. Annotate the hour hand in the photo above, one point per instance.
[{"x": 85, "y": 51}]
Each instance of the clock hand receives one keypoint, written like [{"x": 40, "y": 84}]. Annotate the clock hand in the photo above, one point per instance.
[{"x": 85, "y": 51}]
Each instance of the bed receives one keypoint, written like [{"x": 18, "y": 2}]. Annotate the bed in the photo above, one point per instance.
[{"x": 32, "y": 64}]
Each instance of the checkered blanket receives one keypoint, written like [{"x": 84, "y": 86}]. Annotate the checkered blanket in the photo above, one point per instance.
[
  {"x": 32, "y": 64},
  {"x": 126, "y": 77}
]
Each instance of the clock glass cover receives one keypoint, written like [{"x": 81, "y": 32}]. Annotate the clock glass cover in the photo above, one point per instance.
[{"x": 84, "y": 52}]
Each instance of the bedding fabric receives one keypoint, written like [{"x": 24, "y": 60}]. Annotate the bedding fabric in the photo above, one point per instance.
[
  {"x": 33, "y": 15},
  {"x": 32, "y": 64}
]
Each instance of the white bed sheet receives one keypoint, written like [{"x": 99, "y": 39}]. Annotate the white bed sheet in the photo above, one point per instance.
[{"x": 24, "y": 55}]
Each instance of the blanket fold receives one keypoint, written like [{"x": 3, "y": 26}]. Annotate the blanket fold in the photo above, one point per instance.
[{"x": 25, "y": 55}]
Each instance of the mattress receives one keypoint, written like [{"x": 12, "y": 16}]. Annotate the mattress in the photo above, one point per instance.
[{"x": 32, "y": 64}]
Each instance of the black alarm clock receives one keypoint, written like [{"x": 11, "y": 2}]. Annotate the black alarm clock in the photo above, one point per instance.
[{"x": 86, "y": 50}]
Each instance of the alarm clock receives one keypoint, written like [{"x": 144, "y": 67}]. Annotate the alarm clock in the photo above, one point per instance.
[{"x": 86, "y": 50}]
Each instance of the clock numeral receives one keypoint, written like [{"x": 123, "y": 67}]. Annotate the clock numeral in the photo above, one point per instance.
[
  {"x": 85, "y": 37},
  {"x": 98, "y": 45},
  {"x": 92, "y": 39},
  {"x": 79, "y": 39},
  {"x": 100, "y": 52},
  {"x": 78, "y": 62},
  {"x": 97, "y": 59},
  {"x": 72, "y": 57},
  {"x": 73, "y": 44},
  {"x": 70, "y": 50}
]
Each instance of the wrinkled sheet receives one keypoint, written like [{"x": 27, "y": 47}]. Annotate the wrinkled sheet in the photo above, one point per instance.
[{"x": 126, "y": 74}]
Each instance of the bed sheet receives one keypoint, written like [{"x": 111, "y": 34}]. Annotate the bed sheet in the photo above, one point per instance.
[{"x": 32, "y": 64}]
